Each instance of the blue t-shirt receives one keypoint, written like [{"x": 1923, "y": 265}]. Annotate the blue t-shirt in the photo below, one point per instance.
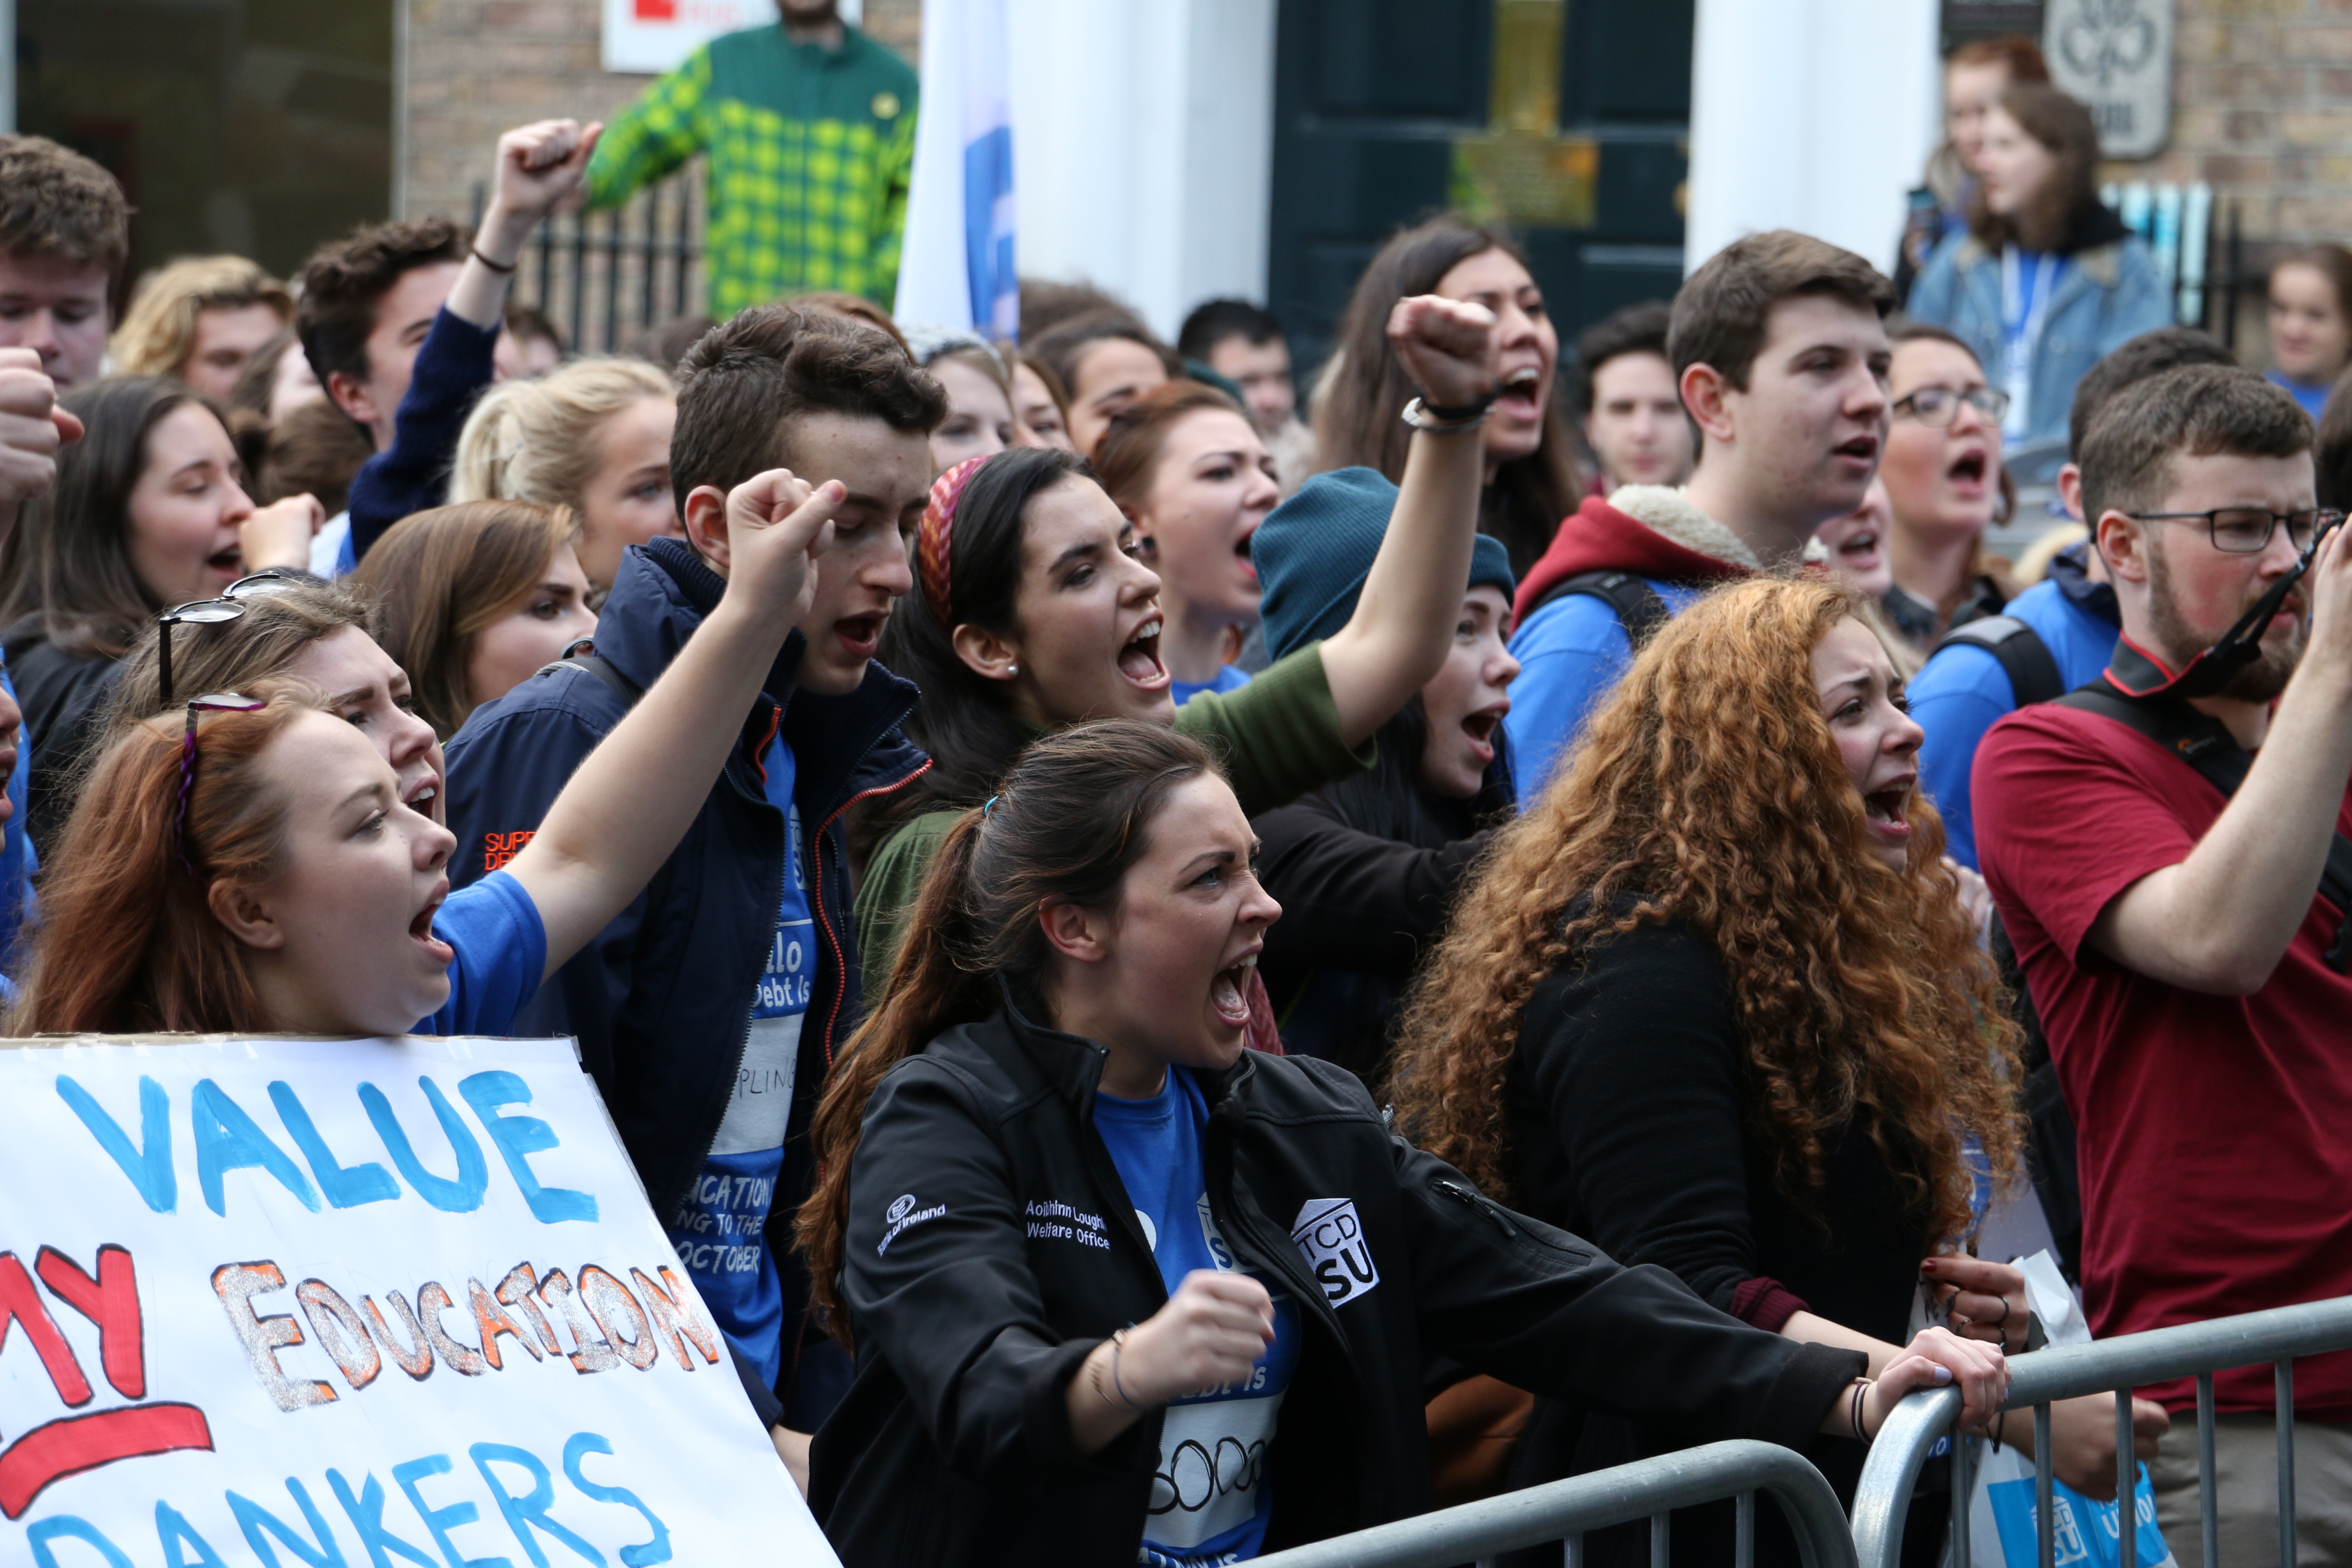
[
  {"x": 501, "y": 956},
  {"x": 1211, "y": 1495},
  {"x": 1228, "y": 678},
  {"x": 1963, "y": 689},
  {"x": 1571, "y": 652},
  {"x": 720, "y": 1227},
  {"x": 2312, "y": 395}
]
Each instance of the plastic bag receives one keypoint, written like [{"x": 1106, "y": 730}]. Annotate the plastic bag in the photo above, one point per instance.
[{"x": 2084, "y": 1534}]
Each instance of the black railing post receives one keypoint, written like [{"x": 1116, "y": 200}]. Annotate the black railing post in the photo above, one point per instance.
[{"x": 612, "y": 278}]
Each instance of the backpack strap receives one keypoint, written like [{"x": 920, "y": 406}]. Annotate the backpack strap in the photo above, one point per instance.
[
  {"x": 2025, "y": 658},
  {"x": 1640, "y": 608},
  {"x": 2205, "y": 743},
  {"x": 582, "y": 655}
]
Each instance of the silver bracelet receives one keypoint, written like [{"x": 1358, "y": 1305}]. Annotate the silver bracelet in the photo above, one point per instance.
[{"x": 1418, "y": 416}]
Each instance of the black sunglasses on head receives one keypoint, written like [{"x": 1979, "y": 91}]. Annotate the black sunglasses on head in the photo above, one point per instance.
[{"x": 230, "y": 606}]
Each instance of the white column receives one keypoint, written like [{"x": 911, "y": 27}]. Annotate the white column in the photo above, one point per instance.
[
  {"x": 1143, "y": 147},
  {"x": 1815, "y": 115}
]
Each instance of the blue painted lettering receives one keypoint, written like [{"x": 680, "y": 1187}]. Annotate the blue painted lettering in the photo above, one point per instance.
[
  {"x": 463, "y": 1195},
  {"x": 346, "y": 1187},
  {"x": 65, "y": 1527},
  {"x": 228, "y": 1140},
  {"x": 583, "y": 1444},
  {"x": 366, "y": 1513},
  {"x": 517, "y": 1136},
  {"x": 148, "y": 1166},
  {"x": 174, "y": 1531},
  {"x": 440, "y": 1521},
  {"x": 525, "y": 1513},
  {"x": 256, "y": 1520}
]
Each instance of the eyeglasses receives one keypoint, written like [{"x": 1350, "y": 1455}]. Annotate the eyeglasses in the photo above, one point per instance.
[
  {"x": 218, "y": 702},
  {"x": 2247, "y": 529},
  {"x": 1939, "y": 405},
  {"x": 213, "y": 612}
]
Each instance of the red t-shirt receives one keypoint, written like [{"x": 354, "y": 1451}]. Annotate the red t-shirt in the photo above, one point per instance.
[{"x": 2215, "y": 1132}]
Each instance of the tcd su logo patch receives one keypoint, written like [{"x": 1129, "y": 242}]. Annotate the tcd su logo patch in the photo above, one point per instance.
[{"x": 1332, "y": 1239}]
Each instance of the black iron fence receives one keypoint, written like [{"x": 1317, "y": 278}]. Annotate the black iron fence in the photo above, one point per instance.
[{"x": 604, "y": 277}]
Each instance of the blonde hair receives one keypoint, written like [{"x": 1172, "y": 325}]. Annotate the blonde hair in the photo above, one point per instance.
[
  {"x": 535, "y": 440},
  {"x": 158, "y": 333}
]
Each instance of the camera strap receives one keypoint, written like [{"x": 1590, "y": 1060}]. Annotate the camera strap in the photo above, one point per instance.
[{"x": 2205, "y": 743}]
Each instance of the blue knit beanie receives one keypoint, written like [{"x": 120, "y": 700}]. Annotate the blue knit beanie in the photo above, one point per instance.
[{"x": 1312, "y": 553}]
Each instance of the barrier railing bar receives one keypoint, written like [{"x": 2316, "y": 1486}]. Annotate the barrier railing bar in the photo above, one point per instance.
[
  {"x": 1567, "y": 1509},
  {"x": 1743, "y": 1550},
  {"x": 2285, "y": 1407},
  {"x": 1883, "y": 1498},
  {"x": 1662, "y": 1535},
  {"x": 2045, "y": 1501},
  {"x": 1961, "y": 1470},
  {"x": 2208, "y": 1487},
  {"x": 2126, "y": 1483}
]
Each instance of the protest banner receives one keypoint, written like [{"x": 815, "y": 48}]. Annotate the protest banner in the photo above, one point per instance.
[{"x": 353, "y": 1304}]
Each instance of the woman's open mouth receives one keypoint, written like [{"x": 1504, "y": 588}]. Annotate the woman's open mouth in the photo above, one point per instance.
[
  {"x": 420, "y": 929},
  {"x": 1481, "y": 726},
  {"x": 1886, "y": 809},
  {"x": 229, "y": 562},
  {"x": 1967, "y": 474},
  {"x": 1521, "y": 396},
  {"x": 1229, "y": 993},
  {"x": 1139, "y": 659},
  {"x": 1242, "y": 553},
  {"x": 420, "y": 798},
  {"x": 1858, "y": 552}
]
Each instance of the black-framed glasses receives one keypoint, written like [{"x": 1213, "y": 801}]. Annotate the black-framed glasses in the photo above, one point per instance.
[
  {"x": 1939, "y": 405},
  {"x": 212, "y": 613},
  {"x": 217, "y": 702},
  {"x": 2248, "y": 530}
]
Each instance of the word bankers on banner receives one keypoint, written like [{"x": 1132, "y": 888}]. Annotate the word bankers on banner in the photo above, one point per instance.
[{"x": 365, "y": 1301}]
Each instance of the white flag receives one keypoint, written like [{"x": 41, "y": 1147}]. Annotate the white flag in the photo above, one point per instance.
[{"x": 955, "y": 268}]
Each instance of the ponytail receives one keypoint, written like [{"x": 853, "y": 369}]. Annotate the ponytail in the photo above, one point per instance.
[{"x": 1064, "y": 826}]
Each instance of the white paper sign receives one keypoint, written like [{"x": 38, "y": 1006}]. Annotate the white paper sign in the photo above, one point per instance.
[
  {"x": 656, "y": 35},
  {"x": 400, "y": 1303}
]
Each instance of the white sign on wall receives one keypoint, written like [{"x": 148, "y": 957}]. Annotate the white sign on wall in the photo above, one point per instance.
[
  {"x": 656, "y": 35},
  {"x": 271, "y": 1302},
  {"x": 2116, "y": 57}
]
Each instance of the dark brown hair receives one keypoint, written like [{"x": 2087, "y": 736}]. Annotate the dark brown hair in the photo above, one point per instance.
[
  {"x": 69, "y": 559},
  {"x": 742, "y": 384},
  {"x": 2333, "y": 452},
  {"x": 1065, "y": 348},
  {"x": 1635, "y": 330},
  {"x": 2150, "y": 354},
  {"x": 1723, "y": 313},
  {"x": 857, "y": 307},
  {"x": 1357, "y": 420},
  {"x": 314, "y": 450},
  {"x": 129, "y": 942},
  {"x": 55, "y": 202},
  {"x": 346, "y": 280},
  {"x": 440, "y": 576},
  {"x": 1046, "y": 304},
  {"x": 2064, "y": 126},
  {"x": 2197, "y": 411},
  {"x": 1128, "y": 453},
  {"x": 1708, "y": 790},
  {"x": 1064, "y": 826}
]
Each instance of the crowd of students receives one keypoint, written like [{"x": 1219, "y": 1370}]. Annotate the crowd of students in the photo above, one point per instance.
[{"x": 1163, "y": 961}]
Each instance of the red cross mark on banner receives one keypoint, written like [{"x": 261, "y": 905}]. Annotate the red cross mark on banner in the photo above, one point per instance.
[{"x": 72, "y": 1444}]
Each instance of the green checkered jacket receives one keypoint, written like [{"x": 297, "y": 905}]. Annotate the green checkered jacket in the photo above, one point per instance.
[{"x": 810, "y": 152}]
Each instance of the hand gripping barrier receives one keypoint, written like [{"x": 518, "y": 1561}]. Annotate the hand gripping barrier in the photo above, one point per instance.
[
  {"x": 1648, "y": 1488},
  {"x": 2128, "y": 1361}
]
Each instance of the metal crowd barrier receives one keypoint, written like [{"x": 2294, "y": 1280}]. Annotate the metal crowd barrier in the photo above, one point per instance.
[
  {"x": 1564, "y": 1510},
  {"x": 2132, "y": 1360}
]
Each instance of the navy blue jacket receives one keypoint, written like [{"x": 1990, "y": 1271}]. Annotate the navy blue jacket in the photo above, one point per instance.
[{"x": 661, "y": 1000}]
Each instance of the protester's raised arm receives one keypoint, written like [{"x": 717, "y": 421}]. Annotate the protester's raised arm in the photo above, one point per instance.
[
  {"x": 540, "y": 167},
  {"x": 634, "y": 796},
  {"x": 1396, "y": 640}
]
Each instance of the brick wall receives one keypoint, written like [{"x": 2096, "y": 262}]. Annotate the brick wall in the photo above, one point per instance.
[
  {"x": 476, "y": 67},
  {"x": 2262, "y": 108}
]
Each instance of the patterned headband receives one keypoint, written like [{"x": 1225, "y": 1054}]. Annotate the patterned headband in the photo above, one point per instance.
[{"x": 931, "y": 538}]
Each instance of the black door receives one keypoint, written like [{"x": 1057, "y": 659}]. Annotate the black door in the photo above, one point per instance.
[{"x": 1567, "y": 120}]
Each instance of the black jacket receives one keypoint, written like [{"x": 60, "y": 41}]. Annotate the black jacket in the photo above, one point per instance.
[
  {"x": 1357, "y": 910},
  {"x": 63, "y": 696},
  {"x": 1628, "y": 1103},
  {"x": 661, "y": 1000},
  {"x": 953, "y": 1446}
]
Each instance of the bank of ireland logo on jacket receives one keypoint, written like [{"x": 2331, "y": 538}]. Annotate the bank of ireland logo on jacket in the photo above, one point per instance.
[{"x": 1330, "y": 1235}]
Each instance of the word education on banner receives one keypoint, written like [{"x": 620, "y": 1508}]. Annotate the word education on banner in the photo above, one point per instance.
[{"x": 393, "y": 1302}]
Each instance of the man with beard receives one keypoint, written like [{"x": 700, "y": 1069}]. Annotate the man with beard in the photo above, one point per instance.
[{"x": 2183, "y": 958}]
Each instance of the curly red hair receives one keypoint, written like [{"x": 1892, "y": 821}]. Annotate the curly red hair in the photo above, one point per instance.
[{"x": 1709, "y": 791}]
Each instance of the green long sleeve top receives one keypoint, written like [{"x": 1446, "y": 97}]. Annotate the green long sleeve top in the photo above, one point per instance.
[{"x": 811, "y": 150}]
